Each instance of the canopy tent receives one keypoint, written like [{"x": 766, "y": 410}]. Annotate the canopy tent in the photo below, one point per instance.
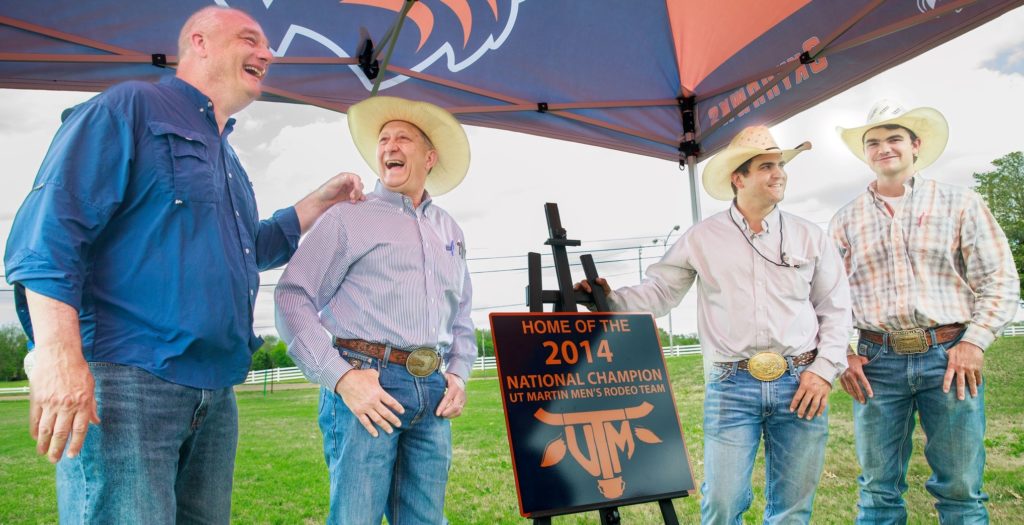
[{"x": 671, "y": 79}]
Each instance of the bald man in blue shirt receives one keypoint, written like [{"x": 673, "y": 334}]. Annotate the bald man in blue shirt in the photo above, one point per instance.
[{"x": 135, "y": 260}]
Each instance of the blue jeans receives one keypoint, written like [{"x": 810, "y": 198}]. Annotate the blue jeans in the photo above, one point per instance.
[
  {"x": 955, "y": 431},
  {"x": 402, "y": 475},
  {"x": 738, "y": 411},
  {"x": 162, "y": 453}
]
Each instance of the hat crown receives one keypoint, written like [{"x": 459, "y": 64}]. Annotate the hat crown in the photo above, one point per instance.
[
  {"x": 885, "y": 110},
  {"x": 757, "y": 137}
]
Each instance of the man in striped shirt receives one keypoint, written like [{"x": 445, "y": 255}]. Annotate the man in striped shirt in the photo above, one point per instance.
[
  {"x": 933, "y": 283},
  {"x": 375, "y": 298}
]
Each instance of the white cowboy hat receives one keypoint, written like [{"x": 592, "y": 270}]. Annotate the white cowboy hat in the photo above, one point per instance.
[
  {"x": 749, "y": 143},
  {"x": 366, "y": 118},
  {"x": 927, "y": 123}
]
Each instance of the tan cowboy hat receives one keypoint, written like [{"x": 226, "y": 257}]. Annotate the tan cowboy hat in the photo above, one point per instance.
[
  {"x": 928, "y": 124},
  {"x": 366, "y": 118},
  {"x": 749, "y": 143}
]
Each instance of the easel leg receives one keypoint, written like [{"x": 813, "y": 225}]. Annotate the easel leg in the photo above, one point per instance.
[
  {"x": 668, "y": 512},
  {"x": 542, "y": 521},
  {"x": 610, "y": 516}
]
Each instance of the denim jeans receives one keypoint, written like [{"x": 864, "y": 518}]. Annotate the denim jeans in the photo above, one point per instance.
[
  {"x": 402, "y": 475},
  {"x": 955, "y": 431},
  {"x": 162, "y": 453},
  {"x": 738, "y": 410}
]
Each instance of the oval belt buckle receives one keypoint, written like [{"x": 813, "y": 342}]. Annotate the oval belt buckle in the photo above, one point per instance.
[
  {"x": 767, "y": 366},
  {"x": 422, "y": 362}
]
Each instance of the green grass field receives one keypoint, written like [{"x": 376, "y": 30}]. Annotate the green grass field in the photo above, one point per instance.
[{"x": 280, "y": 476}]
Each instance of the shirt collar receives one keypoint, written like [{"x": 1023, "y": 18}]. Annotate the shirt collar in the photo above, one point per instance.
[
  {"x": 771, "y": 218},
  {"x": 196, "y": 98},
  {"x": 908, "y": 186},
  {"x": 399, "y": 199}
]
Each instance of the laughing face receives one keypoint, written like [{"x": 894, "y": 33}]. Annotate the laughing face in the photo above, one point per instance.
[
  {"x": 237, "y": 59},
  {"x": 404, "y": 158}
]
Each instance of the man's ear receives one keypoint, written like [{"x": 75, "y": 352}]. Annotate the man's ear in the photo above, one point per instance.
[
  {"x": 198, "y": 42},
  {"x": 737, "y": 179},
  {"x": 431, "y": 159}
]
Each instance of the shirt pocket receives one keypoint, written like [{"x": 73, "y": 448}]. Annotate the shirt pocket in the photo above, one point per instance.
[
  {"x": 934, "y": 238},
  {"x": 452, "y": 268},
  {"x": 192, "y": 172},
  {"x": 794, "y": 282}
]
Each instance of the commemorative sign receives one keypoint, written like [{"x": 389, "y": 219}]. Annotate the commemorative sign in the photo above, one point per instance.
[{"x": 589, "y": 409}]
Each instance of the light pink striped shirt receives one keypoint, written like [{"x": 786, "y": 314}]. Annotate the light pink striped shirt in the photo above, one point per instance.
[{"x": 939, "y": 258}]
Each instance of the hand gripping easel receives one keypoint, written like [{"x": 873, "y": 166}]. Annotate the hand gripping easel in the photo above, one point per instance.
[{"x": 565, "y": 299}]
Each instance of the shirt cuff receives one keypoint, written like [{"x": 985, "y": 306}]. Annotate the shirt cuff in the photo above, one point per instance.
[
  {"x": 978, "y": 335},
  {"x": 460, "y": 366},
  {"x": 288, "y": 220},
  {"x": 824, "y": 369},
  {"x": 319, "y": 362}
]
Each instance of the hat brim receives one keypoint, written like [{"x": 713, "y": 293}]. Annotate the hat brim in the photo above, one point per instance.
[
  {"x": 717, "y": 177},
  {"x": 366, "y": 118},
  {"x": 927, "y": 123}
]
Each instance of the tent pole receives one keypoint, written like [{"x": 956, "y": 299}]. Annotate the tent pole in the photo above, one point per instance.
[
  {"x": 391, "y": 45},
  {"x": 691, "y": 166}
]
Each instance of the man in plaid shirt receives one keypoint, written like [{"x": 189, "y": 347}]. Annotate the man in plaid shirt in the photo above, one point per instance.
[{"x": 932, "y": 282}]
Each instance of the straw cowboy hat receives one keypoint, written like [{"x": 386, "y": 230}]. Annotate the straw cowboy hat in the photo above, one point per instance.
[
  {"x": 927, "y": 123},
  {"x": 749, "y": 143},
  {"x": 366, "y": 118}
]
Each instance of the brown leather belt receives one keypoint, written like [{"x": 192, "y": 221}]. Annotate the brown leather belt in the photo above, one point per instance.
[
  {"x": 420, "y": 362},
  {"x": 915, "y": 341},
  {"x": 805, "y": 358}
]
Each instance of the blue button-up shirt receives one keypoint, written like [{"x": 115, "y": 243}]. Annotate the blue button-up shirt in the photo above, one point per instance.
[
  {"x": 142, "y": 218},
  {"x": 380, "y": 271}
]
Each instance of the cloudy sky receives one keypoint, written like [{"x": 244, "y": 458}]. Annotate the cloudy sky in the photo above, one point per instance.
[{"x": 616, "y": 203}]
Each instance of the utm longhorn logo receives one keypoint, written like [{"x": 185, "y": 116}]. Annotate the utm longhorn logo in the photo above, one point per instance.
[
  {"x": 603, "y": 442},
  {"x": 452, "y": 33}
]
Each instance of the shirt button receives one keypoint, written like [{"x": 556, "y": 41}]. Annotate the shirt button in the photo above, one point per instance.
[
  {"x": 247, "y": 251},
  {"x": 251, "y": 292},
  {"x": 201, "y": 110},
  {"x": 209, "y": 104},
  {"x": 236, "y": 214},
  {"x": 229, "y": 175}
]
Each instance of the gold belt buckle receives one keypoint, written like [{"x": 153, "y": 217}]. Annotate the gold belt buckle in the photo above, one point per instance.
[
  {"x": 767, "y": 366},
  {"x": 908, "y": 341},
  {"x": 422, "y": 362}
]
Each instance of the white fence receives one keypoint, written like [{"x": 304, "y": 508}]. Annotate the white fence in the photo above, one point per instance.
[
  {"x": 277, "y": 375},
  {"x": 273, "y": 375}
]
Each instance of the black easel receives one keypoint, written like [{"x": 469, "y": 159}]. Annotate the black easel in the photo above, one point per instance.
[{"x": 565, "y": 299}]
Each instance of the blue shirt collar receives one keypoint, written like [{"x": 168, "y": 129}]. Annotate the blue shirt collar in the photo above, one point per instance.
[{"x": 197, "y": 99}]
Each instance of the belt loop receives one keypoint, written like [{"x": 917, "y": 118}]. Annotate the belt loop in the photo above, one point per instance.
[
  {"x": 387, "y": 356},
  {"x": 885, "y": 341},
  {"x": 790, "y": 366},
  {"x": 934, "y": 337}
]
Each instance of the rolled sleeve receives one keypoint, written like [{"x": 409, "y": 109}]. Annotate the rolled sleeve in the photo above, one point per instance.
[
  {"x": 80, "y": 184},
  {"x": 277, "y": 238}
]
